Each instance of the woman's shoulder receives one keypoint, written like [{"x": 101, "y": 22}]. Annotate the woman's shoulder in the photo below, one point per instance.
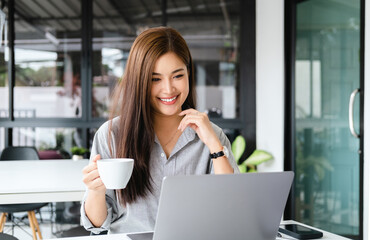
[{"x": 107, "y": 125}]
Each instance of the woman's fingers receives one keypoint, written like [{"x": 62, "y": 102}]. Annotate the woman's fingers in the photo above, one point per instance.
[
  {"x": 96, "y": 183},
  {"x": 92, "y": 180},
  {"x": 200, "y": 123},
  {"x": 91, "y": 177},
  {"x": 89, "y": 168},
  {"x": 96, "y": 158},
  {"x": 195, "y": 118},
  {"x": 188, "y": 111}
]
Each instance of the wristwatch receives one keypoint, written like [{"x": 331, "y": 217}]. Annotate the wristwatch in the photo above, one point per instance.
[{"x": 224, "y": 152}]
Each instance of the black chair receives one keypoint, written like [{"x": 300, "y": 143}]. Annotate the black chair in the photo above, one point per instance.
[
  {"x": 21, "y": 153},
  {"x": 4, "y": 236}
]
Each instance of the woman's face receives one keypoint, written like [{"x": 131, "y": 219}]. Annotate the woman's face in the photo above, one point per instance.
[{"x": 170, "y": 85}]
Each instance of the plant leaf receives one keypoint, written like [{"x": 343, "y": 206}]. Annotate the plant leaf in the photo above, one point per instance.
[
  {"x": 242, "y": 168},
  {"x": 257, "y": 157},
  {"x": 238, "y": 147}
]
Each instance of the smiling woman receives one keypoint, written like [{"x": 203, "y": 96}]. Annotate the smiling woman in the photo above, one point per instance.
[{"x": 158, "y": 127}]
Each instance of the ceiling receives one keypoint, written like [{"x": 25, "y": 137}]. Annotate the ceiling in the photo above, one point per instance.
[{"x": 113, "y": 18}]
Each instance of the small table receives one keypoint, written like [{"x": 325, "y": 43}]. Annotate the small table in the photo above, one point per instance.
[
  {"x": 327, "y": 235},
  {"x": 28, "y": 181}
]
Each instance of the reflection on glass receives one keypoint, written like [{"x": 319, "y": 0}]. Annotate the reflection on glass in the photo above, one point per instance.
[
  {"x": 2, "y": 136},
  {"x": 47, "y": 59},
  {"x": 92, "y": 132},
  {"x": 113, "y": 63},
  {"x": 52, "y": 143},
  {"x": 211, "y": 30},
  {"x": 4, "y": 88},
  {"x": 327, "y": 71},
  {"x": 115, "y": 25}
]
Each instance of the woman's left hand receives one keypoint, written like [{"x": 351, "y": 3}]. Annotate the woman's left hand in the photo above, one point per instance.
[{"x": 202, "y": 126}]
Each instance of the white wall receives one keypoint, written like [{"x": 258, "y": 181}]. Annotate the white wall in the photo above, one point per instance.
[{"x": 270, "y": 81}]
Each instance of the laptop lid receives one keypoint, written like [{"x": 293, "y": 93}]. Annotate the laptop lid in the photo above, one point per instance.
[{"x": 235, "y": 206}]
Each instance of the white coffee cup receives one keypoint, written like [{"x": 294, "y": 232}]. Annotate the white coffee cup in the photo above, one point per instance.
[{"x": 115, "y": 172}]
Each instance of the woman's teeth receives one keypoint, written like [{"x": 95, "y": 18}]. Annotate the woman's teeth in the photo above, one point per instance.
[{"x": 168, "y": 99}]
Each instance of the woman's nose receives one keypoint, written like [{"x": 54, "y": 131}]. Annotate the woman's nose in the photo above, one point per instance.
[{"x": 168, "y": 86}]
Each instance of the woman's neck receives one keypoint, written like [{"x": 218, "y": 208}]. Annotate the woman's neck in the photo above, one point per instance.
[
  {"x": 165, "y": 123},
  {"x": 165, "y": 128}
]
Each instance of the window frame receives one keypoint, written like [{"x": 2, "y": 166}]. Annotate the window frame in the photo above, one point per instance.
[{"x": 245, "y": 123}]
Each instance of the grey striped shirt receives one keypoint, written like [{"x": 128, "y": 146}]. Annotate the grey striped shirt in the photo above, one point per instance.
[{"x": 189, "y": 156}]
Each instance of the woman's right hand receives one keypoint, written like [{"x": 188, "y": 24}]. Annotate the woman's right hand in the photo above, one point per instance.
[{"x": 91, "y": 177}]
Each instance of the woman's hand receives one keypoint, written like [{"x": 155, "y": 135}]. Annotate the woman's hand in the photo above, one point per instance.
[
  {"x": 91, "y": 177},
  {"x": 95, "y": 204},
  {"x": 202, "y": 126}
]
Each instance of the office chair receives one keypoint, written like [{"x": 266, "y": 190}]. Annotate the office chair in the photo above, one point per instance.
[
  {"x": 4, "y": 236},
  {"x": 21, "y": 153}
]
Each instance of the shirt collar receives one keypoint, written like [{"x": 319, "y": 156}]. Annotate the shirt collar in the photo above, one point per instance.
[
  {"x": 187, "y": 136},
  {"x": 188, "y": 133}
]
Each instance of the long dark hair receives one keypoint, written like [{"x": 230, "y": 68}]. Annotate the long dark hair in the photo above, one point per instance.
[{"x": 134, "y": 135}]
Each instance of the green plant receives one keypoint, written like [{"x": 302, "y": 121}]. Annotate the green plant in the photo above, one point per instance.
[
  {"x": 256, "y": 158},
  {"x": 79, "y": 150},
  {"x": 319, "y": 164}
]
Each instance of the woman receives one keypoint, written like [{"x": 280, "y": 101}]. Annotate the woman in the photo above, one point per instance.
[{"x": 159, "y": 128}]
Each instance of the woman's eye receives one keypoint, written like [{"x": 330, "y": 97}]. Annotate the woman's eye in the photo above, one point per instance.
[
  {"x": 155, "y": 79},
  {"x": 179, "y": 76}
]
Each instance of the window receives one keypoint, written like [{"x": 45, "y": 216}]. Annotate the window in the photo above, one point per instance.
[
  {"x": 68, "y": 56},
  {"x": 4, "y": 57},
  {"x": 211, "y": 29},
  {"x": 47, "y": 59}
]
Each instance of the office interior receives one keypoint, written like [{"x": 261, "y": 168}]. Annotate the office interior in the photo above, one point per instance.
[{"x": 288, "y": 75}]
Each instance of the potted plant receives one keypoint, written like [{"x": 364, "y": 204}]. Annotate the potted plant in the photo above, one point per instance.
[
  {"x": 79, "y": 152},
  {"x": 256, "y": 158}
]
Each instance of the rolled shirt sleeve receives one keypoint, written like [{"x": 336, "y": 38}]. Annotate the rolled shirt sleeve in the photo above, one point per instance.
[
  {"x": 100, "y": 146},
  {"x": 111, "y": 214}
]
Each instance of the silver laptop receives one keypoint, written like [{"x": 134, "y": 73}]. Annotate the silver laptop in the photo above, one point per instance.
[{"x": 235, "y": 206}]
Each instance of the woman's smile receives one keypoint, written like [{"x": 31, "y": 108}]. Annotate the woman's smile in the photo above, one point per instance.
[{"x": 168, "y": 101}]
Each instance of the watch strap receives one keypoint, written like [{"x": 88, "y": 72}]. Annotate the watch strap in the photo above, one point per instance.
[{"x": 217, "y": 154}]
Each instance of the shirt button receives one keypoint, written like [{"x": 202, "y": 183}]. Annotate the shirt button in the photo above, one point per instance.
[{"x": 162, "y": 154}]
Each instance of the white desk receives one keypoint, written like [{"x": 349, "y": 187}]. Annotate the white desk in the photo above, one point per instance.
[
  {"x": 38, "y": 181},
  {"x": 326, "y": 235}
]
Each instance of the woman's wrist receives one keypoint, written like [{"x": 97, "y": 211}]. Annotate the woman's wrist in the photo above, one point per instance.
[
  {"x": 97, "y": 193},
  {"x": 215, "y": 146}
]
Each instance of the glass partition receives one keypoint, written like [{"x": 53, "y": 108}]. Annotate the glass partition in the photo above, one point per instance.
[
  {"x": 115, "y": 26},
  {"x": 2, "y": 136},
  {"x": 211, "y": 29},
  {"x": 48, "y": 58},
  {"x": 327, "y": 67},
  {"x": 51, "y": 143},
  {"x": 4, "y": 57}
]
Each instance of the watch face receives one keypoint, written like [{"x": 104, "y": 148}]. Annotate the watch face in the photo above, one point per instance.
[{"x": 226, "y": 151}]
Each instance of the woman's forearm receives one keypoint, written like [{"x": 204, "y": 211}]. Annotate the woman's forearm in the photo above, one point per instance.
[
  {"x": 96, "y": 208},
  {"x": 221, "y": 165}
]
